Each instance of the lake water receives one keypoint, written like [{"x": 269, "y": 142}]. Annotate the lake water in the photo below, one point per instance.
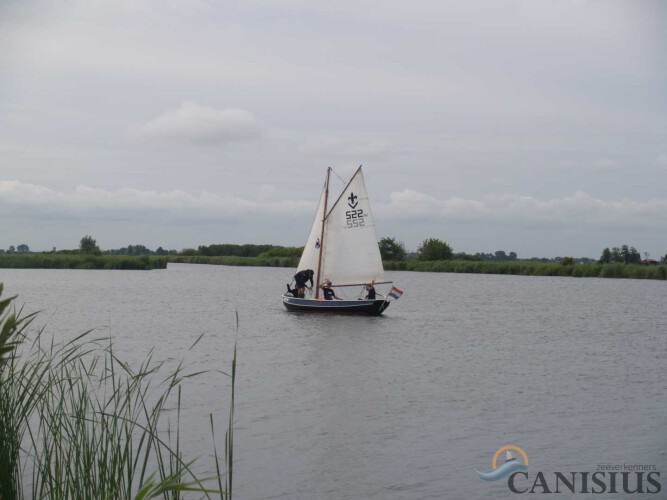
[{"x": 407, "y": 405}]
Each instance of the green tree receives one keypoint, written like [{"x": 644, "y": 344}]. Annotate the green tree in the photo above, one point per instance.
[
  {"x": 664, "y": 259},
  {"x": 279, "y": 251},
  {"x": 605, "y": 258},
  {"x": 23, "y": 248},
  {"x": 625, "y": 254},
  {"x": 567, "y": 261},
  {"x": 137, "y": 250},
  {"x": 434, "y": 249},
  {"x": 89, "y": 245},
  {"x": 11, "y": 249},
  {"x": 390, "y": 249},
  {"x": 616, "y": 255},
  {"x": 501, "y": 255}
]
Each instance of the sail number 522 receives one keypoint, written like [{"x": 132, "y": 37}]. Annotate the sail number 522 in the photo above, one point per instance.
[{"x": 355, "y": 218}]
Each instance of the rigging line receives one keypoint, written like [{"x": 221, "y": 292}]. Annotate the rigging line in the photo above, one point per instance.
[{"x": 339, "y": 177}]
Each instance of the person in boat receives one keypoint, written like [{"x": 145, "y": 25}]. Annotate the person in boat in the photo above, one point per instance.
[
  {"x": 328, "y": 292},
  {"x": 299, "y": 293},
  {"x": 303, "y": 277},
  {"x": 370, "y": 291}
]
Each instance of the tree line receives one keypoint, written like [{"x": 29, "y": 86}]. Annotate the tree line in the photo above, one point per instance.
[
  {"x": 22, "y": 248},
  {"x": 624, "y": 254},
  {"x": 431, "y": 249}
]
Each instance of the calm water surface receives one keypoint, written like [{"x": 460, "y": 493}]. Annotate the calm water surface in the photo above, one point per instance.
[{"x": 407, "y": 405}]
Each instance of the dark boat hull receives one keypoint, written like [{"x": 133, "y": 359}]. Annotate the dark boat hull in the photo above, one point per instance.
[{"x": 364, "y": 307}]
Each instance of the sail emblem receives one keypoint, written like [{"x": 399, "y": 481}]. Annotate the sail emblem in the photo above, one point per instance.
[{"x": 352, "y": 200}]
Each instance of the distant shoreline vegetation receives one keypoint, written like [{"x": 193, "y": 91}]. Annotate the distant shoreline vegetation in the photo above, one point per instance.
[
  {"x": 518, "y": 267},
  {"x": 437, "y": 256},
  {"x": 81, "y": 261},
  {"x": 531, "y": 268},
  {"x": 87, "y": 256},
  {"x": 433, "y": 255},
  {"x": 232, "y": 260}
]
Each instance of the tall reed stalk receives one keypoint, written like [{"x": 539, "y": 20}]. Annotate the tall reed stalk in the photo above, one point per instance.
[{"x": 78, "y": 422}]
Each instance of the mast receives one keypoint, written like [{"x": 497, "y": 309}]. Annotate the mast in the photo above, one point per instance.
[{"x": 324, "y": 217}]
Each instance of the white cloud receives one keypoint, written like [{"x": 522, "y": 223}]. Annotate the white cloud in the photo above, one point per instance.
[
  {"x": 604, "y": 165},
  {"x": 662, "y": 161},
  {"x": 406, "y": 205},
  {"x": 44, "y": 152},
  {"x": 331, "y": 145},
  {"x": 267, "y": 193},
  {"x": 195, "y": 123},
  {"x": 371, "y": 149},
  {"x": 579, "y": 207},
  {"x": 607, "y": 165},
  {"x": 322, "y": 144},
  {"x": 90, "y": 201}
]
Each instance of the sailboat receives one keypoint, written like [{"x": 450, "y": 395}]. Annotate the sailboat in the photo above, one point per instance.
[{"x": 342, "y": 247}]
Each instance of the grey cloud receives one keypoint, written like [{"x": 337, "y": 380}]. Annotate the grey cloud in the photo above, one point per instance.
[{"x": 475, "y": 103}]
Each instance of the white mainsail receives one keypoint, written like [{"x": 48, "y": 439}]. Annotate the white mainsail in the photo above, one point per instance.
[
  {"x": 351, "y": 252},
  {"x": 311, "y": 251}
]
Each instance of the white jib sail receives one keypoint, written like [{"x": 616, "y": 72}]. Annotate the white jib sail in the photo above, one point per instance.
[
  {"x": 311, "y": 252},
  {"x": 351, "y": 252}
]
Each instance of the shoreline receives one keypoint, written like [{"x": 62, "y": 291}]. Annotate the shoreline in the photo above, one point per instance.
[
  {"x": 79, "y": 261},
  {"x": 518, "y": 268}
]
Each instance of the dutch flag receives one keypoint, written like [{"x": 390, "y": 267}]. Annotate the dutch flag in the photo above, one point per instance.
[{"x": 395, "y": 293}]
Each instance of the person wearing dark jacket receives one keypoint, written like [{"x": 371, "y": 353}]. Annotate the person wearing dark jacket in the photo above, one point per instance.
[
  {"x": 370, "y": 292},
  {"x": 302, "y": 277},
  {"x": 328, "y": 292}
]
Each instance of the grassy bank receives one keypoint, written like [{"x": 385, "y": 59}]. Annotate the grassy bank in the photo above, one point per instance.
[
  {"x": 522, "y": 268},
  {"x": 81, "y": 261},
  {"x": 231, "y": 260},
  {"x": 527, "y": 268}
]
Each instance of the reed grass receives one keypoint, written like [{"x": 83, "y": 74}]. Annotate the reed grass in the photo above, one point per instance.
[
  {"x": 81, "y": 261},
  {"x": 521, "y": 268},
  {"x": 78, "y": 422},
  {"x": 231, "y": 260},
  {"x": 527, "y": 268}
]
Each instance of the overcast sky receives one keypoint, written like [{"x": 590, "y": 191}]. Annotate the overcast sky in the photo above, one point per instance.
[{"x": 538, "y": 127}]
